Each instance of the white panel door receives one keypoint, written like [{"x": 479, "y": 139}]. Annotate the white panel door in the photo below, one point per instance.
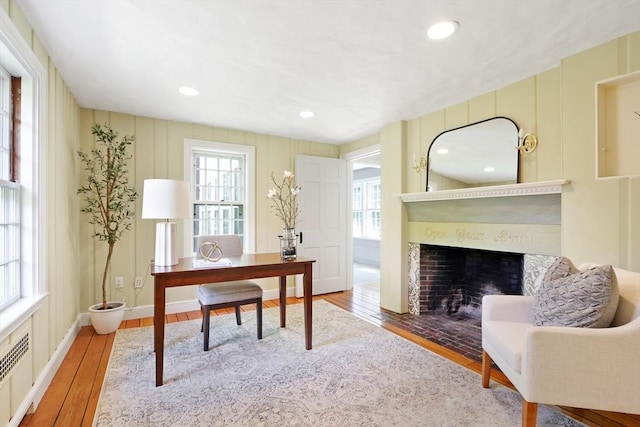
[{"x": 323, "y": 221}]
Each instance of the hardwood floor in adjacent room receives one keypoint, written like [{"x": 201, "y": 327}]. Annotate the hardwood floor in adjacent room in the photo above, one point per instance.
[{"x": 72, "y": 397}]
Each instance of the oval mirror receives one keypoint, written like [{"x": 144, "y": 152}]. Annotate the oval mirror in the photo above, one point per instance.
[{"x": 476, "y": 155}]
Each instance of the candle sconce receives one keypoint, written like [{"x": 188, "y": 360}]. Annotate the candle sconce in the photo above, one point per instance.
[
  {"x": 422, "y": 165},
  {"x": 527, "y": 142}
]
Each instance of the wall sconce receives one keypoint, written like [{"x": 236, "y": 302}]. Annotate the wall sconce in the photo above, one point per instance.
[
  {"x": 527, "y": 142},
  {"x": 422, "y": 166}
]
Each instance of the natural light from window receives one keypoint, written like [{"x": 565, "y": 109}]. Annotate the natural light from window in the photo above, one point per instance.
[{"x": 221, "y": 190}]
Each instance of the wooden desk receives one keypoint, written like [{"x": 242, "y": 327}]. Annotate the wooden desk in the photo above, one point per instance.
[{"x": 247, "y": 266}]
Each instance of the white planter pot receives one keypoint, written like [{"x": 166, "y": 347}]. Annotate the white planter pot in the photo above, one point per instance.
[{"x": 107, "y": 321}]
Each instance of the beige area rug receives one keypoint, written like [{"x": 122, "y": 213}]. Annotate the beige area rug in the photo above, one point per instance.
[{"x": 357, "y": 374}]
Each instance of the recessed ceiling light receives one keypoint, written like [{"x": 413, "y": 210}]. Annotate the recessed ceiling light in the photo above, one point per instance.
[
  {"x": 306, "y": 114},
  {"x": 489, "y": 169},
  {"x": 442, "y": 150},
  {"x": 189, "y": 91},
  {"x": 442, "y": 30}
]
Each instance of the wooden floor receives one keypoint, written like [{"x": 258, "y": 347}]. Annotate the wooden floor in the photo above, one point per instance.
[{"x": 73, "y": 394}]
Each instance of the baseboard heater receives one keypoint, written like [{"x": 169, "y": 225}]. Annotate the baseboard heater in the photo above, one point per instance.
[{"x": 10, "y": 358}]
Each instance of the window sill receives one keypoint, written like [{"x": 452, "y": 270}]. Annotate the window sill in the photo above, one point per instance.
[{"x": 12, "y": 317}]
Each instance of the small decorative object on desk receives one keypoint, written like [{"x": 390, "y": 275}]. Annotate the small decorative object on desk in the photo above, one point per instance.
[
  {"x": 285, "y": 206},
  {"x": 210, "y": 251}
]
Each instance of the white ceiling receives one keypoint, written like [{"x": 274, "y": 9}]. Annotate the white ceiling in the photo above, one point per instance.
[{"x": 359, "y": 65}]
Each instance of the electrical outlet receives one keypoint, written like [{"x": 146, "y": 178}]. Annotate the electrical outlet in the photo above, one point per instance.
[
  {"x": 119, "y": 282},
  {"x": 137, "y": 283}
]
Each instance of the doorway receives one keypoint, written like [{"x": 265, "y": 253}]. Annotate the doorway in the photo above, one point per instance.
[{"x": 365, "y": 220}]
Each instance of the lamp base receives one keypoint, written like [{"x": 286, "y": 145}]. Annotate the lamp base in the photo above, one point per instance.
[{"x": 166, "y": 252}]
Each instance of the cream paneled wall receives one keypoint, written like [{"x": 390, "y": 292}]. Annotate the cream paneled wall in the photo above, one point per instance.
[
  {"x": 158, "y": 153},
  {"x": 601, "y": 218}
]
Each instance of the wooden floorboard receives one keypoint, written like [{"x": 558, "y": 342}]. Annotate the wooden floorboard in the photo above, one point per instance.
[{"x": 72, "y": 397}]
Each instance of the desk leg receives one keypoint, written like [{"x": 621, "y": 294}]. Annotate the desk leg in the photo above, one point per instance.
[
  {"x": 308, "y": 300},
  {"x": 283, "y": 301},
  {"x": 158, "y": 328}
]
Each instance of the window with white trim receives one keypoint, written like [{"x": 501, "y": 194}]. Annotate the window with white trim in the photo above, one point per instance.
[
  {"x": 221, "y": 178},
  {"x": 356, "y": 213},
  {"x": 23, "y": 225},
  {"x": 9, "y": 200},
  {"x": 366, "y": 208}
]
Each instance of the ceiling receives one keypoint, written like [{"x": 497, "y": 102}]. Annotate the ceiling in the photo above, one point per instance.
[{"x": 358, "y": 65}]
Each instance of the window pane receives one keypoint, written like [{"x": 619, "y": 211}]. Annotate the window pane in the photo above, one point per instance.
[
  {"x": 366, "y": 208},
  {"x": 357, "y": 197},
  {"x": 9, "y": 243},
  {"x": 373, "y": 196},
  {"x": 356, "y": 218},
  {"x": 373, "y": 225},
  {"x": 5, "y": 125},
  {"x": 219, "y": 193}
]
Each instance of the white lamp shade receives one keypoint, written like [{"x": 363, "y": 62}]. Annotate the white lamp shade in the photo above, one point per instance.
[{"x": 165, "y": 199}]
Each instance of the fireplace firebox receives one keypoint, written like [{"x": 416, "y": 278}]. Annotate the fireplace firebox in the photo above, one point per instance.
[{"x": 454, "y": 280}]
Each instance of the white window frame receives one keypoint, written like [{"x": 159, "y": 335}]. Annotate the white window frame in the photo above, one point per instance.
[
  {"x": 365, "y": 208},
  {"x": 19, "y": 60},
  {"x": 370, "y": 207},
  {"x": 191, "y": 145},
  {"x": 356, "y": 207}
]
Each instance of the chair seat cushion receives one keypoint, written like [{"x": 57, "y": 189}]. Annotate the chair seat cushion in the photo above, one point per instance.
[
  {"x": 226, "y": 292},
  {"x": 508, "y": 340}
]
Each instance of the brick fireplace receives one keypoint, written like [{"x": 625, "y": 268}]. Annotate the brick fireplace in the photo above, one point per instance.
[
  {"x": 446, "y": 289},
  {"x": 466, "y": 243},
  {"x": 454, "y": 280}
]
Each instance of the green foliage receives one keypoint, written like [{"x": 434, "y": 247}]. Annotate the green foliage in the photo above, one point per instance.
[{"x": 107, "y": 194}]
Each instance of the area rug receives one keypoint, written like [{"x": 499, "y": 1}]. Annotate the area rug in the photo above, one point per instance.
[{"x": 357, "y": 374}]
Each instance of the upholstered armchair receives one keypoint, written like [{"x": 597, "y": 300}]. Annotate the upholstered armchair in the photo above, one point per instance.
[{"x": 593, "y": 368}]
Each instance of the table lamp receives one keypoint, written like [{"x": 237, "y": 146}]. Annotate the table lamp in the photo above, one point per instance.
[{"x": 165, "y": 199}]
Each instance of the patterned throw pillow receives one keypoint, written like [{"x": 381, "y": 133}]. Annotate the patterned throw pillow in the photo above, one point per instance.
[
  {"x": 570, "y": 297},
  {"x": 534, "y": 268}
]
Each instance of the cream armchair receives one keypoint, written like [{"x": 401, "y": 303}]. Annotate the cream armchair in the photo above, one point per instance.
[{"x": 577, "y": 367}]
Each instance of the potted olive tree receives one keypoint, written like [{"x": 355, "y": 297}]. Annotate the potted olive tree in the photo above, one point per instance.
[{"x": 107, "y": 201}]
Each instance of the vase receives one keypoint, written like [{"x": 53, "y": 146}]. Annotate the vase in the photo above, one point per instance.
[{"x": 288, "y": 243}]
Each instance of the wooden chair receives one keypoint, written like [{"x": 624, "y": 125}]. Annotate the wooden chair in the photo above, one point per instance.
[{"x": 227, "y": 294}]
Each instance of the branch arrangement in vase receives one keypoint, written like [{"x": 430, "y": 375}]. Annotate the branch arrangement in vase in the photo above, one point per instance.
[{"x": 283, "y": 198}]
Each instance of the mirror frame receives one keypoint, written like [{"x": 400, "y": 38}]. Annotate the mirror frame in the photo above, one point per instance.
[{"x": 469, "y": 125}]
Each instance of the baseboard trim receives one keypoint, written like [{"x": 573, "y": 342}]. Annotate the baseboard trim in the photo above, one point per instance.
[
  {"x": 40, "y": 386},
  {"x": 142, "y": 311}
]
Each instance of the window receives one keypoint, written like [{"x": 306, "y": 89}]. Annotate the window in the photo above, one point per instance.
[
  {"x": 356, "y": 214},
  {"x": 9, "y": 199},
  {"x": 366, "y": 208},
  {"x": 222, "y": 189},
  {"x": 218, "y": 202},
  {"x": 23, "y": 225}
]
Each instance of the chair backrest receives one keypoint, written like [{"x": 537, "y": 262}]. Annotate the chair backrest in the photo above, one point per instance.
[
  {"x": 230, "y": 244},
  {"x": 629, "y": 289},
  {"x": 629, "y": 303}
]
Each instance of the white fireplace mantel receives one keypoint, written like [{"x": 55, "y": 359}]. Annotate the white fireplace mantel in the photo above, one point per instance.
[
  {"x": 524, "y": 218},
  {"x": 511, "y": 190}
]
